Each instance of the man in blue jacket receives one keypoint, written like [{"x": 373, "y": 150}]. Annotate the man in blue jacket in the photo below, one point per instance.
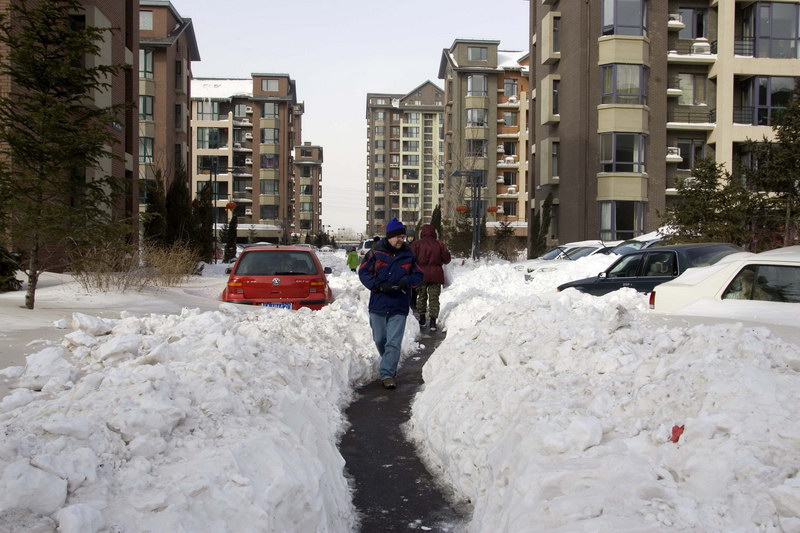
[{"x": 390, "y": 272}]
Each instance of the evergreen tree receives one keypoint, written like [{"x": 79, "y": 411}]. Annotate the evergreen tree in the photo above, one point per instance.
[
  {"x": 436, "y": 220},
  {"x": 180, "y": 220},
  {"x": 232, "y": 229},
  {"x": 202, "y": 237},
  {"x": 53, "y": 136},
  {"x": 711, "y": 207},
  {"x": 778, "y": 173},
  {"x": 154, "y": 219},
  {"x": 540, "y": 227}
]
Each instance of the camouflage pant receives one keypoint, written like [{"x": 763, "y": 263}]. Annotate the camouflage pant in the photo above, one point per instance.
[{"x": 428, "y": 296}]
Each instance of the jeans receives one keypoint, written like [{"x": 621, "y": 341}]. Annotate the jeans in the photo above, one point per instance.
[{"x": 387, "y": 332}]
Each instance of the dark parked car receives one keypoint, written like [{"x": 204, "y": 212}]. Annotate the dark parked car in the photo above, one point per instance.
[
  {"x": 644, "y": 269},
  {"x": 288, "y": 277}
]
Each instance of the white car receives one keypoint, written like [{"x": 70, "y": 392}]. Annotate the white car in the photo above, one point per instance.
[
  {"x": 561, "y": 251},
  {"x": 769, "y": 282}
]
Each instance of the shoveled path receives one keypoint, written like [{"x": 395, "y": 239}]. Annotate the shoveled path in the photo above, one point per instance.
[{"x": 393, "y": 489}]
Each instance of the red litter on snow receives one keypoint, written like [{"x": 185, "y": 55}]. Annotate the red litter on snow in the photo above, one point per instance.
[{"x": 677, "y": 431}]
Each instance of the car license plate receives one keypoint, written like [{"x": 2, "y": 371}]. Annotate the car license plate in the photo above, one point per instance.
[{"x": 280, "y": 305}]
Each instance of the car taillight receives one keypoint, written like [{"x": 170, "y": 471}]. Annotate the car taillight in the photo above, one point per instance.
[
  {"x": 316, "y": 286},
  {"x": 235, "y": 287},
  {"x": 652, "y": 299}
]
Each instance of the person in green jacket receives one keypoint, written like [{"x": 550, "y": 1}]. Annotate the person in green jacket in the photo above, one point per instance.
[{"x": 352, "y": 259}]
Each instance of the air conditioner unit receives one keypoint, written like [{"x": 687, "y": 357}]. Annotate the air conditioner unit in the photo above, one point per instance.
[
  {"x": 248, "y": 161},
  {"x": 248, "y": 136},
  {"x": 512, "y": 99},
  {"x": 248, "y": 211},
  {"x": 237, "y": 145},
  {"x": 248, "y": 109},
  {"x": 245, "y": 121}
]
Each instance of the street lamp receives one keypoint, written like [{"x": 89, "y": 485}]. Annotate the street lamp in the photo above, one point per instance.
[{"x": 476, "y": 202}]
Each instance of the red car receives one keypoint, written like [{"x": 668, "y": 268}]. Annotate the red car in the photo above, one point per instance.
[{"x": 288, "y": 277}]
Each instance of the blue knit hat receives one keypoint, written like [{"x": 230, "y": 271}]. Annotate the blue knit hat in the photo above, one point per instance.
[{"x": 395, "y": 228}]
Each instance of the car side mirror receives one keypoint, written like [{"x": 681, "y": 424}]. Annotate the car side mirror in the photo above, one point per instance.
[
  {"x": 228, "y": 270},
  {"x": 602, "y": 275},
  {"x": 327, "y": 270}
]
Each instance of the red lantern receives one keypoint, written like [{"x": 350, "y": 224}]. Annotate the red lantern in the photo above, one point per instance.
[
  {"x": 230, "y": 205},
  {"x": 492, "y": 209},
  {"x": 462, "y": 209}
]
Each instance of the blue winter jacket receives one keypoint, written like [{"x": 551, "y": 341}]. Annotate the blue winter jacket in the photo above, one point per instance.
[{"x": 385, "y": 264}]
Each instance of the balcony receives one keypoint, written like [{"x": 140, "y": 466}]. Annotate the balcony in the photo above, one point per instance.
[
  {"x": 695, "y": 52},
  {"x": 745, "y": 46},
  {"x": 700, "y": 119},
  {"x": 675, "y": 22}
]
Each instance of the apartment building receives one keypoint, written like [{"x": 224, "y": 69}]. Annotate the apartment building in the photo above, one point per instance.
[
  {"x": 248, "y": 148},
  {"x": 405, "y": 135},
  {"x": 631, "y": 93},
  {"x": 486, "y": 134},
  {"x": 167, "y": 47}
]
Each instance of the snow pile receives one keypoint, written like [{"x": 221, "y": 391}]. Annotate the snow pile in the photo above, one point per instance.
[
  {"x": 199, "y": 421},
  {"x": 554, "y": 411}
]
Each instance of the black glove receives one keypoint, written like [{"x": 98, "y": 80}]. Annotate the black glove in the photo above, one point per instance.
[
  {"x": 385, "y": 288},
  {"x": 402, "y": 284}
]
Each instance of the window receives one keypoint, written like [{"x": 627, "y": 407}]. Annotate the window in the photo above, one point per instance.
[
  {"x": 268, "y": 187},
  {"x": 270, "y": 86},
  {"x": 394, "y": 131},
  {"x": 178, "y": 155},
  {"x": 477, "y": 117},
  {"x": 380, "y": 130},
  {"x": 145, "y": 63},
  {"x": 509, "y": 118},
  {"x": 410, "y": 131},
  {"x": 411, "y": 160},
  {"x": 178, "y": 75},
  {"x": 624, "y": 84},
  {"x": 776, "y": 29},
  {"x": 773, "y": 93},
  {"x": 208, "y": 138},
  {"x": 380, "y": 172},
  {"x": 477, "y": 85},
  {"x": 622, "y": 152},
  {"x": 556, "y": 44},
  {"x": 692, "y": 150},
  {"x": 765, "y": 282},
  {"x": 379, "y": 115},
  {"x": 269, "y": 161},
  {"x": 510, "y": 148},
  {"x": 411, "y": 146},
  {"x": 395, "y": 117},
  {"x": 240, "y": 110},
  {"x": 695, "y": 22},
  {"x": 268, "y": 212},
  {"x": 394, "y": 173},
  {"x": 207, "y": 110},
  {"x": 306, "y": 207},
  {"x": 306, "y": 152},
  {"x": 305, "y": 224},
  {"x": 145, "y": 149},
  {"x": 381, "y": 186},
  {"x": 394, "y": 146},
  {"x": 412, "y": 118},
  {"x": 509, "y": 177},
  {"x": 145, "y": 20},
  {"x": 269, "y": 135},
  {"x": 380, "y": 101},
  {"x": 624, "y": 17},
  {"x": 510, "y": 87},
  {"x": 620, "y": 220},
  {"x": 270, "y": 110},
  {"x": 411, "y": 174},
  {"x": 556, "y": 87},
  {"x": 145, "y": 107},
  {"x": 510, "y": 209},
  {"x": 209, "y": 162},
  {"x": 476, "y": 147},
  {"x": 394, "y": 159},
  {"x": 178, "y": 116},
  {"x": 555, "y": 147},
  {"x": 693, "y": 89},
  {"x": 477, "y": 53},
  {"x": 380, "y": 145},
  {"x": 380, "y": 159}
]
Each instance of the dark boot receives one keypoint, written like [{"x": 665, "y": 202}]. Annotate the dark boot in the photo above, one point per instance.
[
  {"x": 433, "y": 323},
  {"x": 422, "y": 321}
]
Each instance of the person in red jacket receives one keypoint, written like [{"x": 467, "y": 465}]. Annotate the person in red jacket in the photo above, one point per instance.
[{"x": 431, "y": 255}]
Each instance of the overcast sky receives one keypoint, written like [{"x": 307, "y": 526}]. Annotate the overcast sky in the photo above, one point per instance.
[{"x": 337, "y": 51}]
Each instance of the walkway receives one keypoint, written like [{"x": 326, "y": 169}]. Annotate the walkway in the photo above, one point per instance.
[{"x": 393, "y": 489}]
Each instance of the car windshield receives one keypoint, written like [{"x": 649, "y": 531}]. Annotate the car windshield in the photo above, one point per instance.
[
  {"x": 627, "y": 246},
  {"x": 582, "y": 251},
  {"x": 708, "y": 255},
  {"x": 554, "y": 253},
  {"x": 276, "y": 262}
]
